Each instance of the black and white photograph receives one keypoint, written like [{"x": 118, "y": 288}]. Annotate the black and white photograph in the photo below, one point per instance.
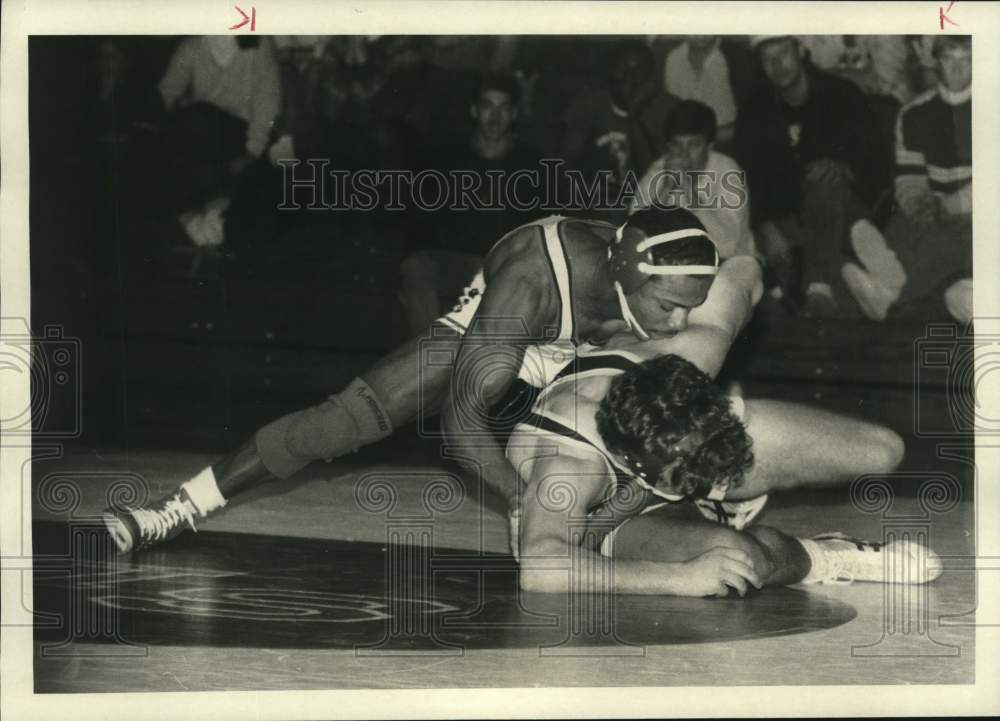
[{"x": 607, "y": 357}]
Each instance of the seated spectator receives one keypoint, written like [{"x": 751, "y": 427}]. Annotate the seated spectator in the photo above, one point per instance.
[
  {"x": 931, "y": 232},
  {"x": 876, "y": 63},
  {"x": 815, "y": 171},
  {"x": 717, "y": 72},
  {"x": 223, "y": 94},
  {"x": 615, "y": 127},
  {"x": 719, "y": 201},
  {"x": 887, "y": 58},
  {"x": 451, "y": 66},
  {"x": 448, "y": 246}
]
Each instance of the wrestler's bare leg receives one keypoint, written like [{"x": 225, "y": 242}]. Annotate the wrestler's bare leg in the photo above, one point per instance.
[
  {"x": 393, "y": 392},
  {"x": 798, "y": 446}
]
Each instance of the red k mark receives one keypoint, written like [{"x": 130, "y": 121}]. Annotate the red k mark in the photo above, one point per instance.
[
  {"x": 252, "y": 19},
  {"x": 943, "y": 15}
]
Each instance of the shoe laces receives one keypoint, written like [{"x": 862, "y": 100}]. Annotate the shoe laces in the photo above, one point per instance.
[
  {"x": 156, "y": 523},
  {"x": 840, "y": 560},
  {"x": 836, "y": 571}
]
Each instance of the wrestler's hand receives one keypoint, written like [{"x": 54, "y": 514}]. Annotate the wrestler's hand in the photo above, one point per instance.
[{"x": 715, "y": 571}]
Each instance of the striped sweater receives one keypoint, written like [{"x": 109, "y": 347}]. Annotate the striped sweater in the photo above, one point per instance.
[{"x": 934, "y": 145}]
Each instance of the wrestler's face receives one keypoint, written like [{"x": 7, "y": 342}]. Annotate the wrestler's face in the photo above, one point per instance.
[{"x": 662, "y": 304}]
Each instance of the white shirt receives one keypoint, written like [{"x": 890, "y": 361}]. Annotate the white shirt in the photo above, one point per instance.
[
  {"x": 710, "y": 86},
  {"x": 729, "y": 227}
]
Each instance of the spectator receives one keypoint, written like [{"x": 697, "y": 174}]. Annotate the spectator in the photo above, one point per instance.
[
  {"x": 615, "y": 127},
  {"x": 716, "y": 72},
  {"x": 931, "y": 232},
  {"x": 815, "y": 171},
  {"x": 224, "y": 94},
  {"x": 449, "y": 245},
  {"x": 876, "y": 63},
  {"x": 887, "y": 57},
  {"x": 689, "y": 133},
  {"x": 451, "y": 67}
]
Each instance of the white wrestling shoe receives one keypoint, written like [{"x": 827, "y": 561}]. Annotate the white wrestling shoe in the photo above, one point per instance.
[
  {"x": 136, "y": 528},
  {"x": 838, "y": 558}
]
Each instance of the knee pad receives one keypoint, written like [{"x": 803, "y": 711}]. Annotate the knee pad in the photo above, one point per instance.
[
  {"x": 369, "y": 416},
  {"x": 344, "y": 423}
]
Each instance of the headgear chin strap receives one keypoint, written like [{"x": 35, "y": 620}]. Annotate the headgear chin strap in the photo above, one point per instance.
[
  {"x": 630, "y": 320},
  {"x": 631, "y": 266},
  {"x": 648, "y": 472}
]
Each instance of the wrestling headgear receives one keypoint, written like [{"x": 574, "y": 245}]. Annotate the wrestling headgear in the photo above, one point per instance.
[
  {"x": 648, "y": 470},
  {"x": 632, "y": 262}
]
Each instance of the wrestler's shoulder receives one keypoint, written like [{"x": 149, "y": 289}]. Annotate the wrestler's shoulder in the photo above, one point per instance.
[
  {"x": 587, "y": 229},
  {"x": 520, "y": 251},
  {"x": 524, "y": 251}
]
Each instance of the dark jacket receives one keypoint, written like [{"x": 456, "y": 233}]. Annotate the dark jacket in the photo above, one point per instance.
[
  {"x": 745, "y": 75},
  {"x": 836, "y": 122}
]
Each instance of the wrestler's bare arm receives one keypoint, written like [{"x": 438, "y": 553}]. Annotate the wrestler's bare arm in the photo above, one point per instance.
[
  {"x": 517, "y": 306},
  {"x": 560, "y": 490},
  {"x": 734, "y": 294}
]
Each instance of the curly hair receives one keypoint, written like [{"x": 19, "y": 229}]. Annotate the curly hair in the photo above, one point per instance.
[{"x": 673, "y": 426}]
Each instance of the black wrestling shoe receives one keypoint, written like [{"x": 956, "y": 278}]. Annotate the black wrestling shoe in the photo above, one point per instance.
[{"x": 137, "y": 528}]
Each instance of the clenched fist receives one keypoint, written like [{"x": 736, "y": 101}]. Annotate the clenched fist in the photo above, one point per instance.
[{"x": 716, "y": 571}]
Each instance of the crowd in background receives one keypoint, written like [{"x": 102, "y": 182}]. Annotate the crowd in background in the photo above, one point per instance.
[{"x": 856, "y": 150}]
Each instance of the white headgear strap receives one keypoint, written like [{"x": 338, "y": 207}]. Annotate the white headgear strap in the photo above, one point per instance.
[
  {"x": 630, "y": 319},
  {"x": 650, "y": 269},
  {"x": 669, "y": 237}
]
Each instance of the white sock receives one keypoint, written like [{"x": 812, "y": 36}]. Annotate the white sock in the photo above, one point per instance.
[
  {"x": 816, "y": 560},
  {"x": 204, "y": 492}
]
